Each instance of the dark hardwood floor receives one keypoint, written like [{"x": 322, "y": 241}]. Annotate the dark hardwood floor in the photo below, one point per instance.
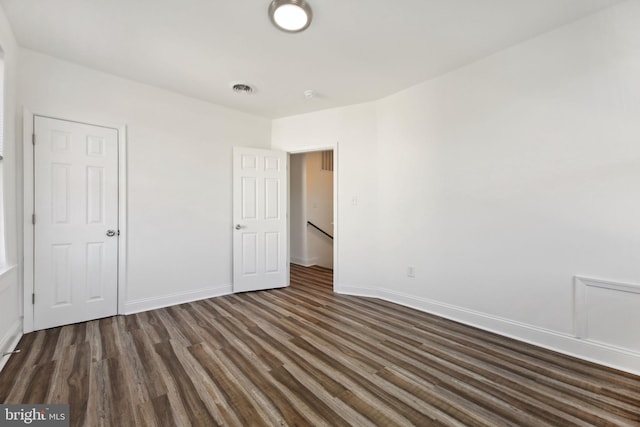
[{"x": 304, "y": 356}]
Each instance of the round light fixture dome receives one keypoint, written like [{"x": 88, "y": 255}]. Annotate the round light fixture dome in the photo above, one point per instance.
[{"x": 291, "y": 16}]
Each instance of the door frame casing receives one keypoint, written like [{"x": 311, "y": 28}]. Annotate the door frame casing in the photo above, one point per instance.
[
  {"x": 336, "y": 234},
  {"x": 28, "y": 209}
]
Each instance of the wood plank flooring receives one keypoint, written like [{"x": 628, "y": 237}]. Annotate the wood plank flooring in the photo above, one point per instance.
[{"x": 303, "y": 356}]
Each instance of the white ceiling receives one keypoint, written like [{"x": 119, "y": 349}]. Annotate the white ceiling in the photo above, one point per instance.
[{"x": 354, "y": 51}]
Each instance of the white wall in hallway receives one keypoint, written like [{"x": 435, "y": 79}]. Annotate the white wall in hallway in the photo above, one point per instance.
[
  {"x": 319, "y": 210},
  {"x": 298, "y": 209},
  {"x": 179, "y": 173}
]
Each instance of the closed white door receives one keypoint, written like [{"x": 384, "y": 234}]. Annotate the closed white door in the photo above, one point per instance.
[
  {"x": 76, "y": 222},
  {"x": 260, "y": 219}
]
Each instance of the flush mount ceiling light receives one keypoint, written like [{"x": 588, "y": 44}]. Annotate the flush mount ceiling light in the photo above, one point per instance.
[{"x": 291, "y": 16}]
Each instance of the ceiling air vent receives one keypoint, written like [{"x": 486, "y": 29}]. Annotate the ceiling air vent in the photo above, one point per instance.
[{"x": 242, "y": 88}]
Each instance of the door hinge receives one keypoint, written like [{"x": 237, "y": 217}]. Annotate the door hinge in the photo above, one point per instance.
[
  {"x": 33, "y": 219},
  {"x": 33, "y": 298},
  {"x": 33, "y": 138}
]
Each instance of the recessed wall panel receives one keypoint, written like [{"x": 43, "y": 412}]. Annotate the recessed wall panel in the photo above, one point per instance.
[
  {"x": 60, "y": 193},
  {"x": 249, "y": 253},
  {"x": 95, "y": 263},
  {"x": 272, "y": 198},
  {"x": 61, "y": 274},
  {"x": 249, "y": 198},
  {"x": 610, "y": 313},
  {"x": 95, "y": 195},
  {"x": 604, "y": 311},
  {"x": 272, "y": 252}
]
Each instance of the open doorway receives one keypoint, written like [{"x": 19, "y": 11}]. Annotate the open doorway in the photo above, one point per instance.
[{"x": 312, "y": 198}]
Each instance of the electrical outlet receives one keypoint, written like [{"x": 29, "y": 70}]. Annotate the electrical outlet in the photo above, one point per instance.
[
  {"x": 411, "y": 272},
  {"x": 354, "y": 200}
]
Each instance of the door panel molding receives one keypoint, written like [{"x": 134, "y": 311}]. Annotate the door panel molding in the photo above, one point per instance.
[{"x": 28, "y": 192}]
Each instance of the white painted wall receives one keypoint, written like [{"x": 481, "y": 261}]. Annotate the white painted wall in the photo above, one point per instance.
[
  {"x": 298, "y": 209},
  {"x": 179, "y": 173},
  {"x": 10, "y": 292},
  {"x": 319, "y": 210},
  {"x": 498, "y": 182},
  {"x": 354, "y": 130},
  {"x": 518, "y": 172}
]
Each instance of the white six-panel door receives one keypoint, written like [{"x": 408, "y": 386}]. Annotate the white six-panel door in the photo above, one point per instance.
[
  {"x": 76, "y": 222},
  {"x": 260, "y": 219}
]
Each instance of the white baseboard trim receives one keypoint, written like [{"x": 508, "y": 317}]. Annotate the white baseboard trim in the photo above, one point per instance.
[
  {"x": 305, "y": 262},
  {"x": 146, "y": 304},
  {"x": 10, "y": 341},
  {"x": 570, "y": 345}
]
